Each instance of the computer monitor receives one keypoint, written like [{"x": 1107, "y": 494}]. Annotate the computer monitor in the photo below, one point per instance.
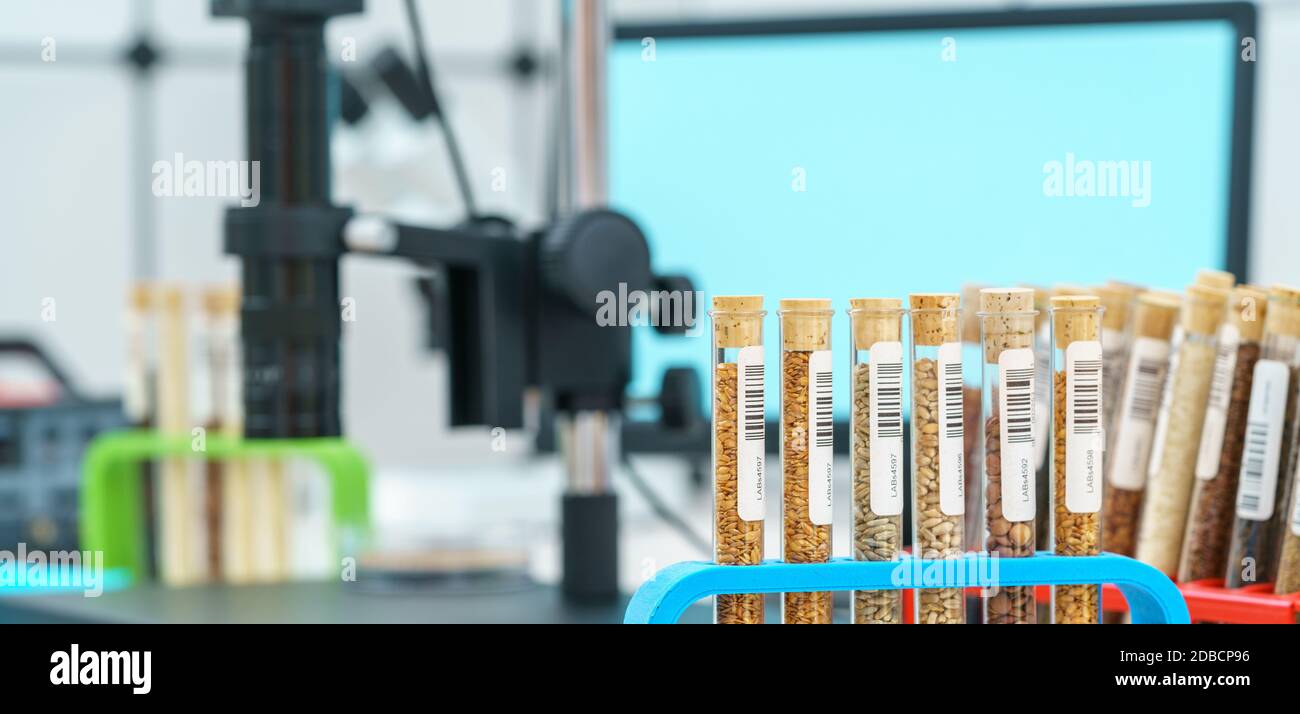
[{"x": 877, "y": 156}]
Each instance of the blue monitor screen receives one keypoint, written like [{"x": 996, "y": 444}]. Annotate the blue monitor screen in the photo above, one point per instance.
[{"x": 875, "y": 164}]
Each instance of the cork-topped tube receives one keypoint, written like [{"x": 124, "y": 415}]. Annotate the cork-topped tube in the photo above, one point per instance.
[
  {"x": 1283, "y": 311},
  {"x": 1247, "y": 308},
  {"x": 805, "y": 324},
  {"x": 876, "y": 320},
  {"x": 1118, "y": 299},
  {"x": 1155, "y": 315},
  {"x": 738, "y": 320},
  {"x": 935, "y": 318},
  {"x": 1203, "y": 309},
  {"x": 1009, "y": 316},
  {"x": 1075, "y": 319}
]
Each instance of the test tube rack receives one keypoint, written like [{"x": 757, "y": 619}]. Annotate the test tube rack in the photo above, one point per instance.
[
  {"x": 1151, "y": 596},
  {"x": 112, "y": 518}
]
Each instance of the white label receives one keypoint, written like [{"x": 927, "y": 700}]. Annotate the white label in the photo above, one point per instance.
[
  {"x": 886, "y": 428},
  {"x": 1166, "y": 397},
  {"x": 1084, "y": 439},
  {"x": 1295, "y": 500},
  {"x": 821, "y": 425},
  {"x": 952, "y": 486},
  {"x": 1216, "y": 411},
  {"x": 1262, "y": 451},
  {"x": 751, "y": 428},
  {"x": 1016, "y": 407},
  {"x": 1136, "y": 418}
]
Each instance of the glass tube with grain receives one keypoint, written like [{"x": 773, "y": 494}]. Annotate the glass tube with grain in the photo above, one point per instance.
[
  {"x": 1218, "y": 464},
  {"x": 739, "y": 432},
  {"x": 938, "y": 481},
  {"x": 1169, "y": 491},
  {"x": 1271, "y": 434},
  {"x": 1118, "y": 299},
  {"x": 1131, "y": 439},
  {"x": 1007, "y": 318},
  {"x": 807, "y": 427},
  {"x": 1078, "y": 444},
  {"x": 1288, "y": 571},
  {"x": 876, "y": 436}
]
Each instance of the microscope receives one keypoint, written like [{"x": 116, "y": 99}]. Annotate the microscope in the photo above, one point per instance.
[{"x": 520, "y": 306}]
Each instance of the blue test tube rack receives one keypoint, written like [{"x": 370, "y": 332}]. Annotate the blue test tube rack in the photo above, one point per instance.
[{"x": 1152, "y": 597}]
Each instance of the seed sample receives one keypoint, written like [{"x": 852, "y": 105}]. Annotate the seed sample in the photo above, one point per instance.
[
  {"x": 938, "y": 480},
  {"x": 1209, "y": 526},
  {"x": 1164, "y": 513},
  {"x": 1007, "y": 319},
  {"x": 806, "y": 449},
  {"x": 1288, "y": 570},
  {"x": 1078, "y": 443},
  {"x": 1116, "y": 338},
  {"x": 1264, "y": 482},
  {"x": 1129, "y": 447},
  {"x": 877, "y": 448},
  {"x": 738, "y": 448}
]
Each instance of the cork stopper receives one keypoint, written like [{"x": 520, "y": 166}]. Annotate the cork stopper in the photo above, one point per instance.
[
  {"x": 1076, "y": 318},
  {"x": 738, "y": 320},
  {"x": 1155, "y": 314},
  {"x": 1009, "y": 318},
  {"x": 1118, "y": 299},
  {"x": 935, "y": 318},
  {"x": 139, "y": 297},
  {"x": 221, "y": 301},
  {"x": 1221, "y": 279},
  {"x": 1247, "y": 307},
  {"x": 970, "y": 307},
  {"x": 805, "y": 324},
  {"x": 1203, "y": 309},
  {"x": 1283, "y": 311},
  {"x": 170, "y": 298},
  {"x": 876, "y": 320}
]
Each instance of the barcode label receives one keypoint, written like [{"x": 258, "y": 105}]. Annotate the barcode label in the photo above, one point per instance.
[
  {"x": 886, "y": 396},
  {"x": 1216, "y": 410},
  {"x": 821, "y": 428},
  {"x": 1262, "y": 451},
  {"x": 1016, "y": 407},
  {"x": 751, "y": 447},
  {"x": 1084, "y": 438},
  {"x": 952, "y": 487},
  {"x": 1166, "y": 397},
  {"x": 1136, "y": 417}
]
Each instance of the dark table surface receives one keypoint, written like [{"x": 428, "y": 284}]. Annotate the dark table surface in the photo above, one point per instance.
[{"x": 319, "y": 603}]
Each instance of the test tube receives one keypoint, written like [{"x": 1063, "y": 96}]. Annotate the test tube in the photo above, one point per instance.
[
  {"x": 1262, "y": 490},
  {"x": 1218, "y": 463},
  {"x": 1169, "y": 491},
  {"x": 739, "y": 506},
  {"x": 876, "y": 432},
  {"x": 807, "y": 423},
  {"x": 1007, "y": 318},
  {"x": 1078, "y": 443},
  {"x": 938, "y": 481},
  {"x": 1130, "y": 441}
]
